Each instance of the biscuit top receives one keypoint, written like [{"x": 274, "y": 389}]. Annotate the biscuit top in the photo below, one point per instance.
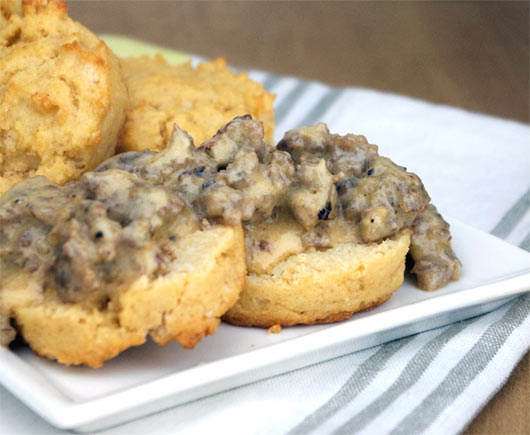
[
  {"x": 31, "y": 20},
  {"x": 62, "y": 94},
  {"x": 199, "y": 100}
]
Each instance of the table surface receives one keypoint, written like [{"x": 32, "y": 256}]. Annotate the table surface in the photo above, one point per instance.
[{"x": 473, "y": 55}]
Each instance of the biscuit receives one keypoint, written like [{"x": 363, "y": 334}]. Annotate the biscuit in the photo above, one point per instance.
[
  {"x": 183, "y": 306},
  {"x": 313, "y": 286},
  {"x": 96, "y": 266},
  {"x": 62, "y": 95},
  {"x": 198, "y": 100}
]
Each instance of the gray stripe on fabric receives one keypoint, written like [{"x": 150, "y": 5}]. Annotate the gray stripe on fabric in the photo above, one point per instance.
[
  {"x": 414, "y": 369},
  {"x": 321, "y": 107},
  {"x": 271, "y": 82},
  {"x": 512, "y": 216},
  {"x": 290, "y": 100},
  {"x": 525, "y": 244},
  {"x": 358, "y": 381},
  {"x": 468, "y": 368}
]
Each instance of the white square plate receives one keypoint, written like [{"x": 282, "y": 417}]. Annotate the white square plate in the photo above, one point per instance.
[{"x": 150, "y": 378}]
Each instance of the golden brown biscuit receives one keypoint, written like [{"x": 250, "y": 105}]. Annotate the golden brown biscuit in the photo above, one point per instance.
[
  {"x": 62, "y": 95},
  {"x": 198, "y": 100},
  {"x": 322, "y": 286},
  {"x": 183, "y": 306},
  {"x": 96, "y": 266}
]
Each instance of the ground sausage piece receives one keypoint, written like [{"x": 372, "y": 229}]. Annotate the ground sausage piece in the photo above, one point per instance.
[
  {"x": 435, "y": 263},
  {"x": 314, "y": 196},
  {"x": 221, "y": 201},
  {"x": 27, "y": 211},
  {"x": 75, "y": 270},
  {"x": 263, "y": 183},
  {"x": 350, "y": 155},
  {"x": 385, "y": 200},
  {"x": 241, "y": 130},
  {"x": 252, "y": 181},
  {"x": 306, "y": 142}
]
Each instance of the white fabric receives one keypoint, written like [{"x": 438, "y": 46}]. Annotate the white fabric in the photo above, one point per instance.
[{"x": 475, "y": 167}]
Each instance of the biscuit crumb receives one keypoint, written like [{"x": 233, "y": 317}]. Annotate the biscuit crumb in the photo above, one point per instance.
[{"x": 274, "y": 329}]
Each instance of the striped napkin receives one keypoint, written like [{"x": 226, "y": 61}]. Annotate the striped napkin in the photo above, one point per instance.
[{"x": 476, "y": 169}]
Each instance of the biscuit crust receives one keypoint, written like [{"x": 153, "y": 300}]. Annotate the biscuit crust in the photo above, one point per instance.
[
  {"x": 184, "y": 305},
  {"x": 323, "y": 286},
  {"x": 62, "y": 95},
  {"x": 199, "y": 100}
]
